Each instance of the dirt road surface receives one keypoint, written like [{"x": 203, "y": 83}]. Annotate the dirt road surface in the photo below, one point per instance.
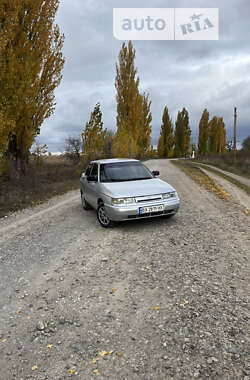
[{"x": 155, "y": 299}]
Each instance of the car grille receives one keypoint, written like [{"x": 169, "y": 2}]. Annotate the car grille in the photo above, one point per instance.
[{"x": 149, "y": 198}]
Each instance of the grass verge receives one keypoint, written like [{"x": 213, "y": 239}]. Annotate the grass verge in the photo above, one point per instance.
[
  {"x": 234, "y": 181},
  {"x": 236, "y": 163},
  {"x": 53, "y": 176},
  {"x": 193, "y": 171}
]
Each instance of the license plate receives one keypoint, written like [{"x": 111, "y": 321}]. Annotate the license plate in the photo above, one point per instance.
[{"x": 149, "y": 209}]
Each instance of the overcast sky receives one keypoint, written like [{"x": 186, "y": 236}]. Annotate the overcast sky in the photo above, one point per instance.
[{"x": 192, "y": 74}]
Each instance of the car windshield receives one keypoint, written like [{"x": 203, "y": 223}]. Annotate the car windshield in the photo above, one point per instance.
[{"x": 124, "y": 171}]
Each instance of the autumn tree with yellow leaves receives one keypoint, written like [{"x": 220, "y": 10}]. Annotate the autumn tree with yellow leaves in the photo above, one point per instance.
[
  {"x": 217, "y": 136},
  {"x": 166, "y": 140},
  {"x": 133, "y": 109},
  {"x": 182, "y": 134},
  {"x": 31, "y": 65},
  {"x": 93, "y": 136},
  {"x": 203, "y": 133}
]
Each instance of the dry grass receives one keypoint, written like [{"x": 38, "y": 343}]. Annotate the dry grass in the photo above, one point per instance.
[
  {"x": 52, "y": 176},
  {"x": 201, "y": 178},
  {"x": 237, "y": 163},
  {"x": 234, "y": 181}
]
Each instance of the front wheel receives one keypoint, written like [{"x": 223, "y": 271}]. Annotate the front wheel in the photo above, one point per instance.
[{"x": 103, "y": 218}]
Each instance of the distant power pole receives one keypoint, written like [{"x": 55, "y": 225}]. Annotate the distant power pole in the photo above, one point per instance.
[{"x": 235, "y": 125}]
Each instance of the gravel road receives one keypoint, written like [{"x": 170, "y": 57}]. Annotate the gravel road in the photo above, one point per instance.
[{"x": 155, "y": 299}]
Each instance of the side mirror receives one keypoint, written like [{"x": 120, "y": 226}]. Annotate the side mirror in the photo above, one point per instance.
[
  {"x": 92, "y": 178},
  {"x": 155, "y": 173}
]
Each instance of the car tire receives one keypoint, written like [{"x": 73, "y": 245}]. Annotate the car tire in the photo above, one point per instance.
[
  {"x": 103, "y": 218},
  {"x": 85, "y": 204}
]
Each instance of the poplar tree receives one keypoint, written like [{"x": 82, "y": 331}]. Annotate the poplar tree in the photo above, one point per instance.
[
  {"x": 217, "y": 136},
  {"x": 221, "y": 146},
  {"x": 182, "y": 134},
  {"x": 93, "y": 136},
  {"x": 144, "y": 137},
  {"x": 31, "y": 64},
  {"x": 203, "y": 133},
  {"x": 133, "y": 109},
  {"x": 212, "y": 145},
  {"x": 166, "y": 139}
]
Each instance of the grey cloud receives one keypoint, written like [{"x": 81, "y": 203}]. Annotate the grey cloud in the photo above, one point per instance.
[{"x": 211, "y": 74}]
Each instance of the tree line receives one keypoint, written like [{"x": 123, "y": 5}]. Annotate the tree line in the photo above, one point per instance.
[
  {"x": 133, "y": 135},
  {"x": 31, "y": 69}
]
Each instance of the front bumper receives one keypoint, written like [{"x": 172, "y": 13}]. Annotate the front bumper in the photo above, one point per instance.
[{"x": 128, "y": 212}]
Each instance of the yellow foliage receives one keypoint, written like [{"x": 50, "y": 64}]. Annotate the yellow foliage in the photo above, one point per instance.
[
  {"x": 133, "y": 109},
  {"x": 94, "y": 136},
  {"x": 124, "y": 145},
  {"x": 31, "y": 65}
]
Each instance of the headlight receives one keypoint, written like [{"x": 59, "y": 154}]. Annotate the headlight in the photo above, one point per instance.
[
  {"x": 172, "y": 194},
  {"x": 122, "y": 201}
]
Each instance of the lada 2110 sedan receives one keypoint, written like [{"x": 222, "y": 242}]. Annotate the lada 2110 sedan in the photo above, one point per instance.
[{"x": 125, "y": 189}]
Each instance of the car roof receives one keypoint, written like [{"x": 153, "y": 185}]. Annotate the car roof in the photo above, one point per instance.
[{"x": 114, "y": 160}]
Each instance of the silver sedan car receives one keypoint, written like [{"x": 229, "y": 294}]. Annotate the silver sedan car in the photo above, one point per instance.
[{"x": 125, "y": 189}]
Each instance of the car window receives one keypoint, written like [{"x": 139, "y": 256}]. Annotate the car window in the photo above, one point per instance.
[
  {"x": 94, "y": 171},
  {"x": 88, "y": 170},
  {"x": 124, "y": 171},
  {"x": 103, "y": 175}
]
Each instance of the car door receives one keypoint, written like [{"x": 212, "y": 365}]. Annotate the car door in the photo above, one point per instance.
[
  {"x": 92, "y": 186},
  {"x": 84, "y": 182}
]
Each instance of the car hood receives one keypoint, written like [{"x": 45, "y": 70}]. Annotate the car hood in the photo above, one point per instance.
[{"x": 136, "y": 188}]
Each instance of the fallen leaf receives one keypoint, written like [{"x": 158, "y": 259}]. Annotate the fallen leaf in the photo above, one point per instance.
[
  {"x": 111, "y": 352},
  {"x": 34, "y": 368},
  {"x": 156, "y": 308},
  {"x": 94, "y": 360},
  {"x": 18, "y": 312},
  {"x": 72, "y": 371},
  {"x": 246, "y": 212},
  {"x": 103, "y": 353},
  {"x": 95, "y": 371},
  {"x": 113, "y": 290},
  {"x": 184, "y": 303},
  {"x": 4, "y": 340},
  {"x": 49, "y": 345},
  {"x": 119, "y": 354}
]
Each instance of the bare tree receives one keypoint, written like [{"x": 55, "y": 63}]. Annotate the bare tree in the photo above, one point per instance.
[{"x": 73, "y": 147}]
